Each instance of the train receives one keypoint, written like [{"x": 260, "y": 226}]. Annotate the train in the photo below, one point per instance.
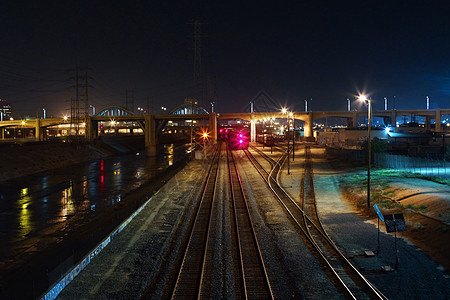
[{"x": 237, "y": 137}]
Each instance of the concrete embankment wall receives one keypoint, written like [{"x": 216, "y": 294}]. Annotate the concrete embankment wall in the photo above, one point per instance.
[{"x": 21, "y": 160}]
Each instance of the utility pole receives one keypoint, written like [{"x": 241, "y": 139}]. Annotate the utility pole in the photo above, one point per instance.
[
  {"x": 198, "y": 71},
  {"x": 198, "y": 67}
]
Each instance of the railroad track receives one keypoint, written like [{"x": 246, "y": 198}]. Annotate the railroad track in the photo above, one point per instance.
[
  {"x": 188, "y": 283},
  {"x": 254, "y": 280},
  {"x": 304, "y": 215},
  {"x": 191, "y": 282}
]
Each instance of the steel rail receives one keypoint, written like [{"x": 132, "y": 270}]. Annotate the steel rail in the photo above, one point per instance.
[
  {"x": 189, "y": 279},
  {"x": 254, "y": 278},
  {"x": 319, "y": 232}
]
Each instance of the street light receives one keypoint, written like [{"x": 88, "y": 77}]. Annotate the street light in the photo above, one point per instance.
[
  {"x": 93, "y": 109},
  {"x": 369, "y": 112},
  {"x": 264, "y": 131},
  {"x": 205, "y": 137},
  {"x": 284, "y": 111},
  {"x": 293, "y": 134},
  {"x": 271, "y": 133},
  {"x": 44, "y": 113}
]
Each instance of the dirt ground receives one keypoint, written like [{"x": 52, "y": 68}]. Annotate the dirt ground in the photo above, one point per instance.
[{"x": 425, "y": 205}]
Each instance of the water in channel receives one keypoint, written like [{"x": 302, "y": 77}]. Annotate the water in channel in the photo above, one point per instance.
[{"x": 39, "y": 207}]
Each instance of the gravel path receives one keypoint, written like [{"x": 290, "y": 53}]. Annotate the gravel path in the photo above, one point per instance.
[
  {"x": 126, "y": 266},
  {"x": 417, "y": 275}
]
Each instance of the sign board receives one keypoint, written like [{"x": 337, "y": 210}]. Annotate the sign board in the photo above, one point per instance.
[
  {"x": 390, "y": 223},
  {"x": 380, "y": 215},
  {"x": 400, "y": 222}
]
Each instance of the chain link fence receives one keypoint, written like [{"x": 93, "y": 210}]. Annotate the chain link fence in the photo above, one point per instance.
[{"x": 425, "y": 166}]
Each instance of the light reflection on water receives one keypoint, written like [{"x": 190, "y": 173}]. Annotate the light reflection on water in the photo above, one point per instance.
[
  {"x": 67, "y": 205},
  {"x": 84, "y": 190},
  {"x": 25, "y": 225},
  {"x": 170, "y": 154}
]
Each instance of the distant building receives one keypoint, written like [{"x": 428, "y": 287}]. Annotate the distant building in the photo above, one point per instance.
[
  {"x": 410, "y": 139},
  {"x": 5, "y": 110}
]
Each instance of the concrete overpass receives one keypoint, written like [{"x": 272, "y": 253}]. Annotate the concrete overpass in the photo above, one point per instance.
[
  {"x": 152, "y": 124},
  {"x": 352, "y": 116}
]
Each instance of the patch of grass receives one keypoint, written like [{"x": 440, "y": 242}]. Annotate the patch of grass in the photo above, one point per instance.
[
  {"x": 384, "y": 185},
  {"x": 390, "y": 194},
  {"x": 386, "y": 203},
  {"x": 423, "y": 208},
  {"x": 395, "y": 173},
  {"x": 418, "y": 226}
]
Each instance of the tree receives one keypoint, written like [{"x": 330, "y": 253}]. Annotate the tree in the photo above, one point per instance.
[{"x": 376, "y": 145}]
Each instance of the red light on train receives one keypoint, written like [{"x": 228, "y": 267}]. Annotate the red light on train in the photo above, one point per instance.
[{"x": 220, "y": 130}]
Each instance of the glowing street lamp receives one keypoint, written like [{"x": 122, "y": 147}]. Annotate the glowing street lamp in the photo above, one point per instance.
[
  {"x": 205, "y": 137},
  {"x": 369, "y": 112}
]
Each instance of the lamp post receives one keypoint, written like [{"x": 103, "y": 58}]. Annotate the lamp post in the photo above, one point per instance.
[
  {"x": 264, "y": 132},
  {"x": 205, "y": 136},
  {"x": 271, "y": 133},
  {"x": 45, "y": 113},
  {"x": 93, "y": 109},
  {"x": 369, "y": 112},
  {"x": 293, "y": 135},
  {"x": 284, "y": 111}
]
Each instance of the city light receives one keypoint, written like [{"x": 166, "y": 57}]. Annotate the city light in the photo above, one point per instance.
[{"x": 369, "y": 154}]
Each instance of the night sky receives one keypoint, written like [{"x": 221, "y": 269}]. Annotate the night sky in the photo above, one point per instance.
[{"x": 294, "y": 50}]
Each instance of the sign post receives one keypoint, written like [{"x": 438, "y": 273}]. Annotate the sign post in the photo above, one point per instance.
[
  {"x": 380, "y": 217},
  {"x": 394, "y": 223},
  {"x": 400, "y": 226}
]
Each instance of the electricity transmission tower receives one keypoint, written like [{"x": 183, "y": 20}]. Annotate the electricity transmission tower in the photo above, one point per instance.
[
  {"x": 198, "y": 70},
  {"x": 79, "y": 106}
]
